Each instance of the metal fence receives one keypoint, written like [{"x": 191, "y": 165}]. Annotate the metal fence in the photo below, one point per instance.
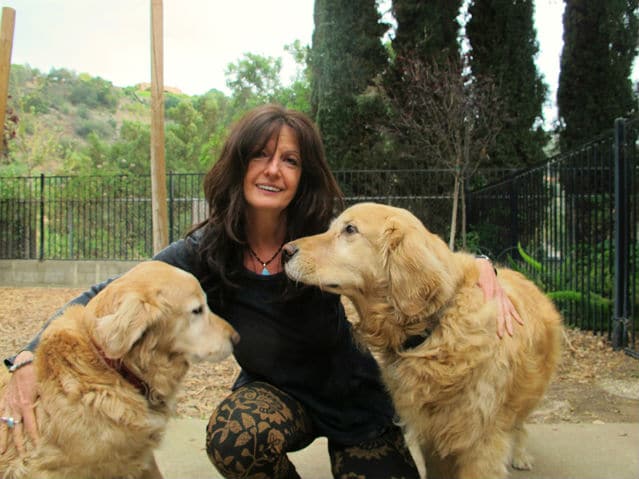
[
  {"x": 571, "y": 224},
  {"x": 109, "y": 217}
]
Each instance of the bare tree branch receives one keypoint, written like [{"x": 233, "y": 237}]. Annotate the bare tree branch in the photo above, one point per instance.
[{"x": 446, "y": 115}]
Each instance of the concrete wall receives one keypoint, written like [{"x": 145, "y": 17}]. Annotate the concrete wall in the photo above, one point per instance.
[{"x": 73, "y": 274}]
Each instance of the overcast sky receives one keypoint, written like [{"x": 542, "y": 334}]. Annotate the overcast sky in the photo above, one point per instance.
[{"x": 111, "y": 38}]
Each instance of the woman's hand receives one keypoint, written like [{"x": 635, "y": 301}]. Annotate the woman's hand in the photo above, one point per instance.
[
  {"x": 17, "y": 405},
  {"x": 492, "y": 289}
]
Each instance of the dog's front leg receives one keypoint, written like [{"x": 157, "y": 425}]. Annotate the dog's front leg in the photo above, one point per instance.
[
  {"x": 438, "y": 468},
  {"x": 486, "y": 458},
  {"x": 153, "y": 471}
]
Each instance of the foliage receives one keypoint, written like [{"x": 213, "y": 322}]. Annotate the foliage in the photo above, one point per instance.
[
  {"x": 572, "y": 282},
  {"x": 298, "y": 94},
  {"x": 9, "y": 131},
  {"x": 600, "y": 45},
  {"x": 503, "y": 45},
  {"x": 426, "y": 32},
  {"x": 85, "y": 126},
  {"x": 428, "y": 29},
  {"x": 254, "y": 79},
  {"x": 536, "y": 265},
  {"x": 75, "y": 123},
  {"x": 34, "y": 145},
  {"x": 346, "y": 56},
  {"x": 444, "y": 115},
  {"x": 93, "y": 92}
]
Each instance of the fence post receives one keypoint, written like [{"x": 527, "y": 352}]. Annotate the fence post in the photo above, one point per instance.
[
  {"x": 621, "y": 236},
  {"x": 514, "y": 215},
  {"x": 171, "y": 200},
  {"x": 41, "y": 216},
  {"x": 6, "y": 45}
]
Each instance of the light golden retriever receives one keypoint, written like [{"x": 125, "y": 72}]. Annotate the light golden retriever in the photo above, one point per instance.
[
  {"x": 108, "y": 375},
  {"x": 461, "y": 392}
]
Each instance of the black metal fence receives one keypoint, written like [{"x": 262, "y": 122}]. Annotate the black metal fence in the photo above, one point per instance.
[
  {"x": 109, "y": 217},
  {"x": 571, "y": 224}
]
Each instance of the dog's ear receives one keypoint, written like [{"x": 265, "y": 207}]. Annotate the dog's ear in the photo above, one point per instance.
[
  {"x": 118, "y": 332},
  {"x": 417, "y": 276}
]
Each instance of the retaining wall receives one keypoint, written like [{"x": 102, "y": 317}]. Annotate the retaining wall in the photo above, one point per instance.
[{"x": 72, "y": 274}]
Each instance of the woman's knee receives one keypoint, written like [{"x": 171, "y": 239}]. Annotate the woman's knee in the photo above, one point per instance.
[
  {"x": 252, "y": 429},
  {"x": 381, "y": 457},
  {"x": 245, "y": 438}
]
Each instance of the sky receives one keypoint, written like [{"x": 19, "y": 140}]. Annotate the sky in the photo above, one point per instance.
[{"x": 111, "y": 38}]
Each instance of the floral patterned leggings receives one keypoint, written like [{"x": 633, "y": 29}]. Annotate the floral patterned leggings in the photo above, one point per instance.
[{"x": 251, "y": 431}]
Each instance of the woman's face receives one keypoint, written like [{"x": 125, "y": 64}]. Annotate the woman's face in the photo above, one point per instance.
[{"x": 272, "y": 177}]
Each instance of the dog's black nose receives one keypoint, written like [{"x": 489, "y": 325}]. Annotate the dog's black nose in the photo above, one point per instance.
[{"x": 288, "y": 251}]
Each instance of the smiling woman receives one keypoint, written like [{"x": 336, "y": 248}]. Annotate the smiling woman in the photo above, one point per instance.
[{"x": 273, "y": 175}]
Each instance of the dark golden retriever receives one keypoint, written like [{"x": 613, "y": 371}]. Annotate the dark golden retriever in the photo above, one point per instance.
[
  {"x": 462, "y": 393},
  {"x": 108, "y": 374}
]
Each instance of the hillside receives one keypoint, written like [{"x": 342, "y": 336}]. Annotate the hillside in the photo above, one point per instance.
[
  {"x": 62, "y": 113},
  {"x": 62, "y": 122}
]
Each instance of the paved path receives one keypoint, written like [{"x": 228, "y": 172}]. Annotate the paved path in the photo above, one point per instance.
[{"x": 561, "y": 451}]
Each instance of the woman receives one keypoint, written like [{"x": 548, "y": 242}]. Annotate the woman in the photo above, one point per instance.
[{"x": 301, "y": 374}]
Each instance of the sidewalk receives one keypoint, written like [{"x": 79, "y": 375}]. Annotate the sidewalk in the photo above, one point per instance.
[{"x": 561, "y": 451}]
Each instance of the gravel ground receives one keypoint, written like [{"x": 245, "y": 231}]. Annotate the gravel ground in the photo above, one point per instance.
[{"x": 593, "y": 384}]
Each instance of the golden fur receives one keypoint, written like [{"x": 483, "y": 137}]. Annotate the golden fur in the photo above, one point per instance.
[
  {"x": 463, "y": 394},
  {"x": 93, "y": 423}
]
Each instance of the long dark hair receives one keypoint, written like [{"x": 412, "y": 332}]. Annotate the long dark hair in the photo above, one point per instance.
[{"x": 317, "y": 200}]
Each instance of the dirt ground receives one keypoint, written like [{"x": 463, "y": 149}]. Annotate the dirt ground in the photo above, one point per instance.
[{"x": 594, "y": 384}]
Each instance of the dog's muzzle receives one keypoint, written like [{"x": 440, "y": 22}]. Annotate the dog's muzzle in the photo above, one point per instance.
[{"x": 288, "y": 251}]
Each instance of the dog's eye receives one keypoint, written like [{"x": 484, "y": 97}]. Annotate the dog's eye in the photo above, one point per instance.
[
  {"x": 350, "y": 229},
  {"x": 198, "y": 310}
]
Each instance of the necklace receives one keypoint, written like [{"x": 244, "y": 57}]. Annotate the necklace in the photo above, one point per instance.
[{"x": 265, "y": 263}]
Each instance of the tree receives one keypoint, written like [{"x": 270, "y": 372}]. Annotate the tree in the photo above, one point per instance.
[
  {"x": 93, "y": 92},
  {"x": 428, "y": 29},
  {"x": 30, "y": 151},
  {"x": 9, "y": 132},
  {"x": 600, "y": 45},
  {"x": 503, "y": 43},
  {"x": 297, "y": 95},
  {"x": 184, "y": 137},
  {"x": 129, "y": 155},
  {"x": 448, "y": 117},
  {"x": 254, "y": 79},
  {"x": 346, "y": 56},
  {"x": 216, "y": 110}
]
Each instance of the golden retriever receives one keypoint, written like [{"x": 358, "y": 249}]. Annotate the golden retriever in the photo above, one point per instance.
[
  {"x": 108, "y": 374},
  {"x": 460, "y": 391}
]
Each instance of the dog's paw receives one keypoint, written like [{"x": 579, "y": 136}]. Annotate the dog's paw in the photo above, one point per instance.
[{"x": 522, "y": 461}]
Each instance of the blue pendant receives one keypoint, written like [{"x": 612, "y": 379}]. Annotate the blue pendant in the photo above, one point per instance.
[{"x": 265, "y": 272}]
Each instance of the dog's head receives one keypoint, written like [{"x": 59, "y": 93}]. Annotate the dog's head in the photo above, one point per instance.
[
  {"x": 164, "y": 306},
  {"x": 374, "y": 250}
]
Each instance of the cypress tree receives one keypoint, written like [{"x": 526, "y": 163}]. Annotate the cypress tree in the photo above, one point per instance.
[
  {"x": 426, "y": 32},
  {"x": 346, "y": 55},
  {"x": 503, "y": 46},
  {"x": 600, "y": 44},
  {"x": 426, "y": 28}
]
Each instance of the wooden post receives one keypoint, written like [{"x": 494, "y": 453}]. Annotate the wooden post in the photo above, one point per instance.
[
  {"x": 6, "y": 45},
  {"x": 158, "y": 173}
]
